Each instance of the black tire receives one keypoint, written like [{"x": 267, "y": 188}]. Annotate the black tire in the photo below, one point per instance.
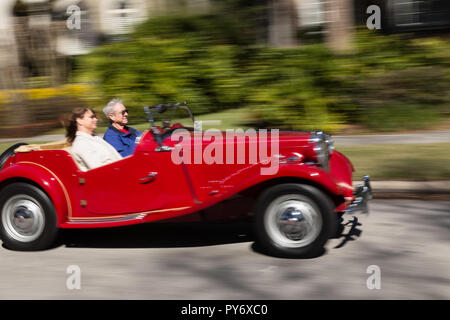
[
  {"x": 8, "y": 153},
  {"x": 19, "y": 202},
  {"x": 283, "y": 216}
]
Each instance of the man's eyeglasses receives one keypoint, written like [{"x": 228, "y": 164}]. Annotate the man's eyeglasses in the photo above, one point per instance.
[{"x": 124, "y": 111}]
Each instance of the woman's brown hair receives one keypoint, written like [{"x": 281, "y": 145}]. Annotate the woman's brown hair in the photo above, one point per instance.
[{"x": 71, "y": 128}]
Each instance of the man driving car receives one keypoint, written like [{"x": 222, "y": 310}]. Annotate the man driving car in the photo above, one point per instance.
[{"x": 118, "y": 134}]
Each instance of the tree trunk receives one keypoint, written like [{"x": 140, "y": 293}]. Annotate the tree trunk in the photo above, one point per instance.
[
  {"x": 283, "y": 23},
  {"x": 339, "y": 35}
]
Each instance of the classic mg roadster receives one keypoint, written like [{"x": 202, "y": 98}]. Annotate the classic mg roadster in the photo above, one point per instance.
[{"x": 294, "y": 184}]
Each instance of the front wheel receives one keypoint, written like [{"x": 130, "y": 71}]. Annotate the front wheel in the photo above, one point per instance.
[
  {"x": 294, "y": 220},
  {"x": 27, "y": 218}
]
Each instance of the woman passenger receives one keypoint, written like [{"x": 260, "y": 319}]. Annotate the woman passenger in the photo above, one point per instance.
[{"x": 89, "y": 150}]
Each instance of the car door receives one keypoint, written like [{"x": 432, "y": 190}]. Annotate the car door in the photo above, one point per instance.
[{"x": 126, "y": 186}]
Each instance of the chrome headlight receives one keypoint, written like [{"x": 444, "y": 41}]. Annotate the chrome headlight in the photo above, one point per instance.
[{"x": 323, "y": 146}]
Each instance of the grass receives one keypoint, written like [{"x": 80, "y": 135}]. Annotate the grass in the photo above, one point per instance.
[
  {"x": 412, "y": 162},
  {"x": 243, "y": 117},
  {"x": 229, "y": 119},
  {"x": 409, "y": 162}
]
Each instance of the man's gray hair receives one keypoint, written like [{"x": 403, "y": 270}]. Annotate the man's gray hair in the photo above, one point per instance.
[{"x": 110, "y": 107}]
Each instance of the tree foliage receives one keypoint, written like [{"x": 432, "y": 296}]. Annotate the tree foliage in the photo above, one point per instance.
[{"x": 214, "y": 62}]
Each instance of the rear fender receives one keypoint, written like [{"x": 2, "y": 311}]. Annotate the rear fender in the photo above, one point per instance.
[{"x": 43, "y": 178}]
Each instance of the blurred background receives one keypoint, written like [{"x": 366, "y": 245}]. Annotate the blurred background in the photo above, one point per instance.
[
  {"x": 383, "y": 93},
  {"x": 288, "y": 64}
]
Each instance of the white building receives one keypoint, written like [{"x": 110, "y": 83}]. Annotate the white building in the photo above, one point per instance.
[{"x": 43, "y": 32}]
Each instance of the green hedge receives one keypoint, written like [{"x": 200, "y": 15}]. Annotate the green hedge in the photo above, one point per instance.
[
  {"x": 28, "y": 112},
  {"x": 213, "y": 63}
]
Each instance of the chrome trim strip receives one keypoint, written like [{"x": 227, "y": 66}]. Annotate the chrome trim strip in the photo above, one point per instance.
[
  {"x": 106, "y": 220},
  {"x": 66, "y": 193},
  {"x": 139, "y": 215}
]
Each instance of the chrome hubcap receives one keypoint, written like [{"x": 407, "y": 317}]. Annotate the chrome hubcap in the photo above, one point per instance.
[
  {"x": 23, "y": 218},
  {"x": 292, "y": 221}
]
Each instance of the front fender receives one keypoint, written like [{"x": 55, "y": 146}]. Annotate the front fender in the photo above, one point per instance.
[
  {"x": 313, "y": 174},
  {"x": 46, "y": 180},
  {"x": 302, "y": 172}
]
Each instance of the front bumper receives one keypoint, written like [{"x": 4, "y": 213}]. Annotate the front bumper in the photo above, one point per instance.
[{"x": 362, "y": 194}]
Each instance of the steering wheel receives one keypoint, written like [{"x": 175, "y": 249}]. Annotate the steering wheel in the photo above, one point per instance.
[
  {"x": 176, "y": 126},
  {"x": 169, "y": 132}
]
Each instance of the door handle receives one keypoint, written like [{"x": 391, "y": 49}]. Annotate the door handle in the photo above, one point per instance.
[{"x": 151, "y": 176}]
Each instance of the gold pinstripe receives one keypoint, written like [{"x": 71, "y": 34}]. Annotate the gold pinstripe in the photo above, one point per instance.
[
  {"x": 66, "y": 194},
  {"x": 97, "y": 218}
]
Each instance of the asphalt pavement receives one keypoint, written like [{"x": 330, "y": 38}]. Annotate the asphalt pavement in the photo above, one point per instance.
[{"x": 398, "y": 251}]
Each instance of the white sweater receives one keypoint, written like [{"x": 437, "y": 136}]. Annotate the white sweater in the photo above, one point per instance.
[{"x": 92, "y": 151}]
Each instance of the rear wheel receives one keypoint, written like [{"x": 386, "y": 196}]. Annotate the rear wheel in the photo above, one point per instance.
[
  {"x": 27, "y": 218},
  {"x": 294, "y": 220}
]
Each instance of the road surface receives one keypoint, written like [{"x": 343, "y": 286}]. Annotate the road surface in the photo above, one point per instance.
[{"x": 407, "y": 241}]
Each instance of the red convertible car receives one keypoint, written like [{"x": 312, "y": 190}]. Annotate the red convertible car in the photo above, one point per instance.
[{"x": 297, "y": 190}]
